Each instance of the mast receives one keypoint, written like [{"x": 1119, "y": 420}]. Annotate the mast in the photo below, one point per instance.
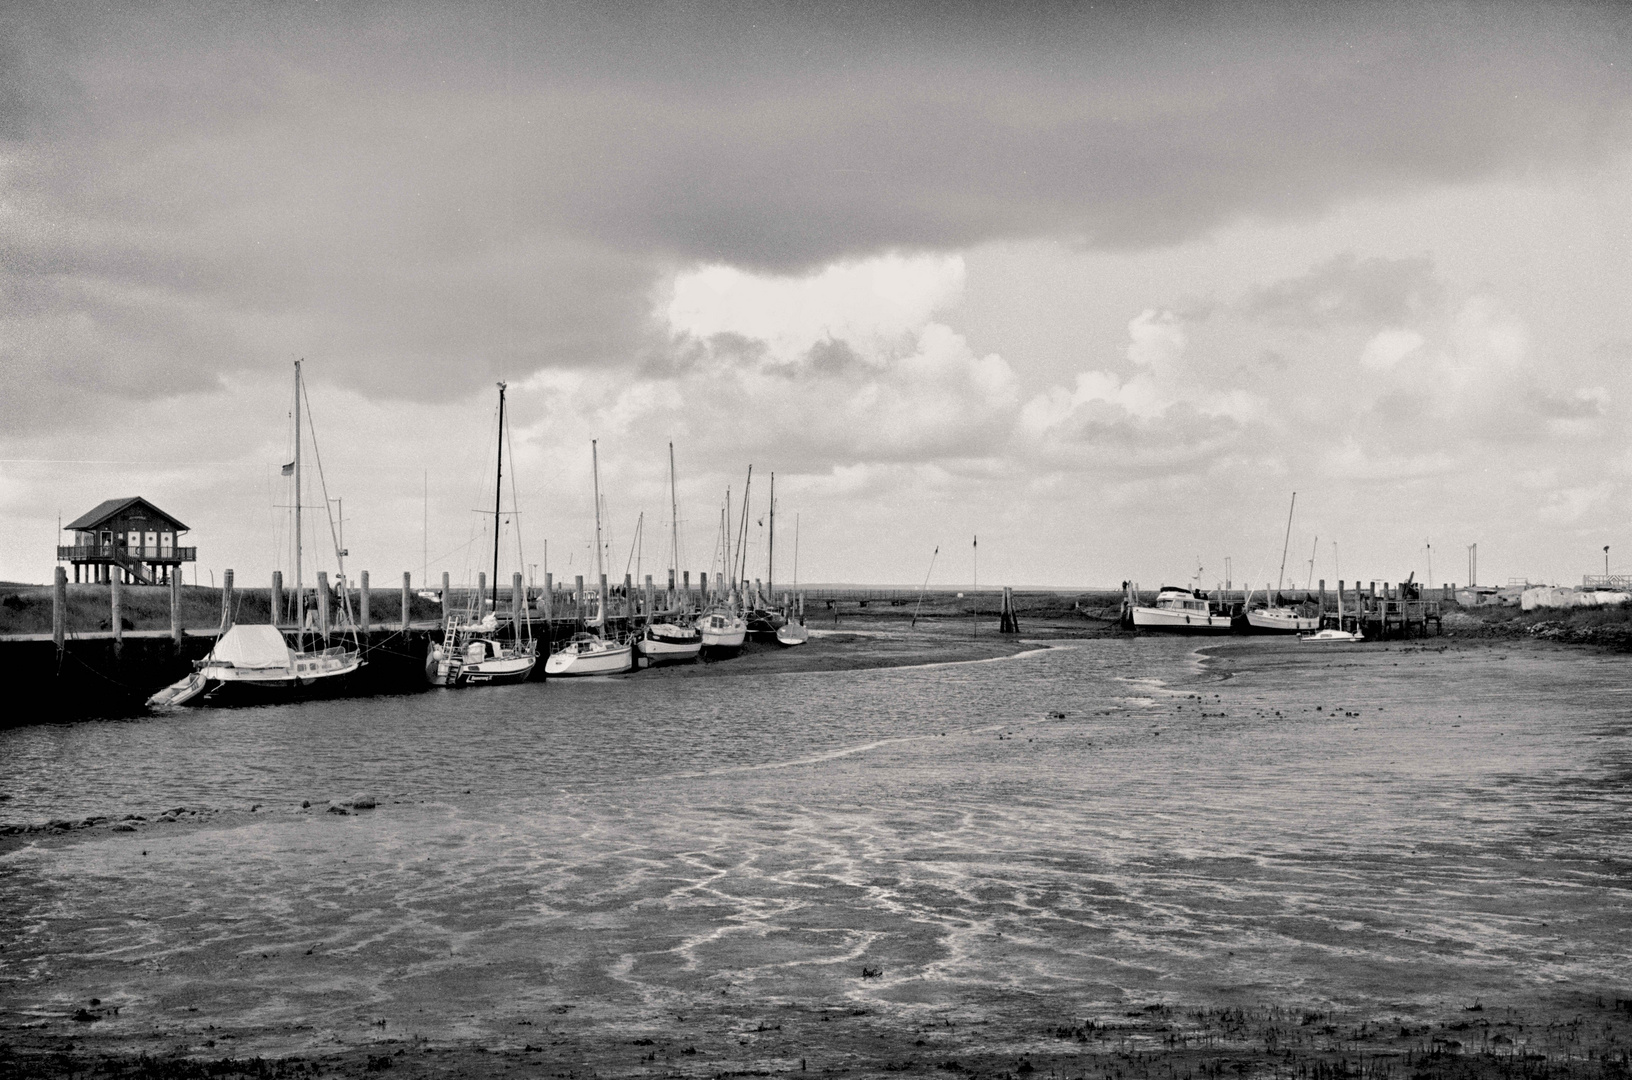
[
  {"x": 739, "y": 569},
  {"x": 674, "y": 521},
  {"x": 595, "y": 466},
  {"x": 1284, "y": 545},
  {"x": 300, "y": 593},
  {"x": 728, "y": 568},
  {"x": 498, "y": 489}
]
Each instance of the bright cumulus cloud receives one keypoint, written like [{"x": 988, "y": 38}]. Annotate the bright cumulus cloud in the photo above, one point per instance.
[
  {"x": 1388, "y": 348},
  {"x": 871, "y": 304}
]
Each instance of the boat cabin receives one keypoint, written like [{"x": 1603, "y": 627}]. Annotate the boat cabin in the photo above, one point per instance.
[
  {"x": 1181, "y": 600},
  {"x": 130, "y": 537}
]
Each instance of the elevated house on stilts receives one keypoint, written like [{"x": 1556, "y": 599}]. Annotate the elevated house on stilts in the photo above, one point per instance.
[{"x": 130, "y": 537}]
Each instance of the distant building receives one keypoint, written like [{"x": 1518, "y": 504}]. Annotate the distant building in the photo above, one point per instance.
[{"x": 130, "y": 537}]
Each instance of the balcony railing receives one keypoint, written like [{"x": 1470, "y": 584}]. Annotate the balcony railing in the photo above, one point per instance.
[{"x": 106, "y": 553}]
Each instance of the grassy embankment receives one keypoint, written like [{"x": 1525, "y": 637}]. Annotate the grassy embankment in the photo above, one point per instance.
[{"x": 26, "y": 609}]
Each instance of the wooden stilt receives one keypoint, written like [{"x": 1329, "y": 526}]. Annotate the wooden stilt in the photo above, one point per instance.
[{"x": 175, "y": 609}]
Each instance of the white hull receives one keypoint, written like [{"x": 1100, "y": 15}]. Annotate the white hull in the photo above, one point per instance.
[
  {"x": 598, "y": 657},
  {"x": 792, "y": 633},
  {"x": 256, "y": 659},
  {"x": 1281, "y": 621},
  {"x": 1332, "y": 635},
  {"x": 659, "y": 648},
  {"x": 482, "y": 660},
  {"x": 722, "y": 633},
  {"x": 1191, "y": 622}
]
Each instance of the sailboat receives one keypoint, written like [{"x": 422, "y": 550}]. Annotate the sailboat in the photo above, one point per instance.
[
  {"x": 472, "y": 648},
  {"x": 676, "y": 639},
  {"x": 723, "y": 627},
  {"x": 585, "y": 653},
  {"x": 1276, "y": 618},
  {"x": 257, "y": 662},
  {"x": 1334, "y": 633},
  {"x": 793, "y": 630},
  {"x": 762, "y": 619}
]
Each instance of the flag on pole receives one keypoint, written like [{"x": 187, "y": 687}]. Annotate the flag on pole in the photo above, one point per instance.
[{"x": 289, "y": 469}]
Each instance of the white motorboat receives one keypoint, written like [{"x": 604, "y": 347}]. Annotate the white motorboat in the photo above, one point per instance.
[
  {"x": 255, "y": 661},
  {"x": 1180, "y": 610},
  {"x": 792, "y": 633},
  {"x": 723, "y": 631},
  {"x": 669, "y": 643},
  {"x": 1281, "y": 620},
  {"x": 590, "y": 654}
]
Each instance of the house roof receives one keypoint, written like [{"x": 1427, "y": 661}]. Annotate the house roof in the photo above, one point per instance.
[{"x": 112, "y": 508}]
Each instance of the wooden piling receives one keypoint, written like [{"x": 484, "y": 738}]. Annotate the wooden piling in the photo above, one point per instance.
[
  {"x": 362, "y": 600},
  {"x": 447, "y": 601},
  {"x": 481, "y": 593},
  {"x": 175, "y": 608},
  {"x": 628, "y": 595},
  {"x": 323, "y": 606},
  {"x": 578, "y": 596},
  {"x": 1009, "y": 624},
  {"x": 59, "y": 609},
  {"x": 649, "y": 595},
  {"x": 518, "y": 601},
  {"x": 407, "y": 599},
  {"x": 227, "y": 598},
  {"x": 549, "y": 597},
  {"x": 606, "y": 608},
  {"x": 702, "y": 586}
]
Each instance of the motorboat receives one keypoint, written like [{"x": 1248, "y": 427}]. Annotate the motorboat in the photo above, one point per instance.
[
  {"x": 1280, "y": 620},
  {"x": 590, "y": 654},
  {"x": 1180, "y": 610},
  {"x": 723, "y": 631},
  {"x": 255, "y": 661},
  {"x": 669, "y": 643}
]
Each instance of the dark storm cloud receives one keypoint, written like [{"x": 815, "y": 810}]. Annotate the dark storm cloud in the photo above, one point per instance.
[
  {"x": 1347, "y": 291},
  {"x": 428, "y": 195}
]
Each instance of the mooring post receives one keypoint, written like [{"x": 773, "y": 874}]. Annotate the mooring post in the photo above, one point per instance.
[
  {"x": 605, "y": 596},
  {"x": 702, "y": 585},
  {"x": 59, "y": 608},
  {"x": 648, "y": 596},
  {"x": 1323, "y": 600},
  {"x": 481, "y": 592},
  {"x": 578, "y": 596},
  {"x": 175, "y": 608},
  {"x": 628, "y": 596},
  {"x": 446, "y": 600},
  {"x": 518, "y": 601},
  {"x": 323, "y": 606},
  {"x": 362, "y": 599},
  {"x": 275, "y": 598},
  {"x": 407, "y": 599},
  {"x": 116, "y": 604},
  {"x": 226, "y": 601},
  {"x": 549, "y": 597}
]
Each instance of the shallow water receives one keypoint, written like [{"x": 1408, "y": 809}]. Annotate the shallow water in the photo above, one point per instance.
[{"x": 620, "y": 853}]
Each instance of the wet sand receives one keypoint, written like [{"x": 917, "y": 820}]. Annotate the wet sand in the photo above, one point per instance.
[{"x": 1115, "y": 859}]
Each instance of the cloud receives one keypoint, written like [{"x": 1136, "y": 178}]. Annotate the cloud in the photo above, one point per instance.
[
  {"x": 1349, "y": 291},
  {"x": 429, "y": 200},
  {"x": 1388, "y": 348}
]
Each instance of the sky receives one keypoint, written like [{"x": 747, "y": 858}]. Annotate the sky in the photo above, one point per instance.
[{"x": 1101, "y": 285}]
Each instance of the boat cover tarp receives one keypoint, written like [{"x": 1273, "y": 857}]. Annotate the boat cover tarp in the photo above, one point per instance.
[{"x": 252, "y": 646}]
